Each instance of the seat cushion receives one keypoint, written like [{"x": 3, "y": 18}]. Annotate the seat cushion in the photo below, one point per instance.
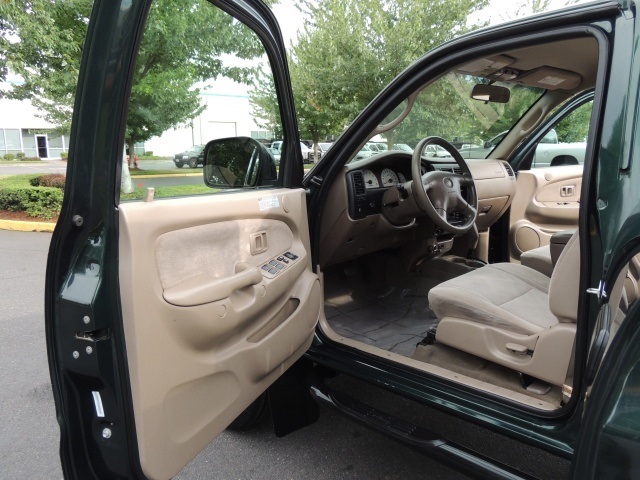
[
  {"x": 504, "y": 295},
  {"x": 539, "y": 259}
]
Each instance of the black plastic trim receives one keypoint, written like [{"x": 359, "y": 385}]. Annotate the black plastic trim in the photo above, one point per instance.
[{"x": 421, "y": 439}]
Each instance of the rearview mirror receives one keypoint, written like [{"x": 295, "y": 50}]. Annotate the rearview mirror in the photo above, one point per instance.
[
  {"x": 238, "y": 162},
  {"x": 490, "y": 93}
]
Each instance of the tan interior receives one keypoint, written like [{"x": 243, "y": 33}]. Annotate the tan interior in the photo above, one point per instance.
[
  {"x": 543, "y": 259},
  {"x": 498, "y": 313},
  {"x": 208, "y": 329},
  {"x": 536, "y": 334},
  {"x": 547, "y": 201},
  {"x": 343, "y": 238},
  {"x": 513, "y": 315},
  {"x": 435, "y": 370}
]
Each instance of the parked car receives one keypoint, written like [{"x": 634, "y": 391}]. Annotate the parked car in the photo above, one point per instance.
[
  {"x": 193, "y": 157},
  {"x": 382, "y": 147},
  {"x": 377, "y": 146},
  {"x": 365, "y": 152},
  {"x": 382, "y": 286},
  {"x": 436, "y": 151},
  {"x": 307, "y": 152},
  {"x": 548, "y": 149},
  {"x": 323, "y": 147},
  {"x": 402, "y": 146},
  {"x": 276, "y": 155}
]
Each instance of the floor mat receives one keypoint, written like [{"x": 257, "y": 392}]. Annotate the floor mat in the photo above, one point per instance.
[
  {"x": 480, "y": 369},
  {"x": 395, "y": 320}
]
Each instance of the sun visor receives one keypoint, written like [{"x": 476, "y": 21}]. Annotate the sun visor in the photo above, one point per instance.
[
  {"x": 485, "y": 66},
  {"x": 551, "y": 78}
]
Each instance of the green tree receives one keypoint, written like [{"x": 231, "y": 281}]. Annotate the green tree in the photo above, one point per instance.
[
  {"x": 351, "y": 49},
  {"x": 264, "y": 102},
  {"x": 521, "y": 99},
  {"x": 575, "y": 127},
  {"x": 182, "y": 48},
  {"x": 41, "y": 41}
]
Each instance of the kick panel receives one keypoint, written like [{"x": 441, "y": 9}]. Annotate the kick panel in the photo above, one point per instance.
[{"x": 208, "y": 327}]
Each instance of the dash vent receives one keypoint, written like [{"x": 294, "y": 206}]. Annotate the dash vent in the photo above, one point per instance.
[
  {"x": 451, "y": 169},
  {"x": 358, "y": 183},
  {"x": 509, "y": 170}
]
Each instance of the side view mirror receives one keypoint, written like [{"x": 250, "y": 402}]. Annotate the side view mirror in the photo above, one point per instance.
[
  {"x": 237, "y": 162},
  {"x": 550, "y": 137},
  {"x": 490, "y": 93}
]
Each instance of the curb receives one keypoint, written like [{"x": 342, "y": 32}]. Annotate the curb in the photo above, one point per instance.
[{"x": 22, "y": 226}]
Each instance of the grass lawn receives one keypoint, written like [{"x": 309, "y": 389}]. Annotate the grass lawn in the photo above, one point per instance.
[
  {"x": 18, "y": 162},
  {"x": 154, "y": 157},
  {"x": 17, "y": 181},
  {"x": 173, "y": 191},
  {"x": 137, "y": 172}
]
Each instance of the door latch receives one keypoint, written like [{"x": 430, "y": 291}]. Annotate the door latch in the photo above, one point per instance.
[{"x": 600, "y": 291}]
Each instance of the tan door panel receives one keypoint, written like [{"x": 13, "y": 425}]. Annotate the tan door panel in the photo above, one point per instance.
[
  {"x": 547, "y": 201},
  {"x": 209, "y": 322}
]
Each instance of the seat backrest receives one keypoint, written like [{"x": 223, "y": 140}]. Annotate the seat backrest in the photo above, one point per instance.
[{"x": 564, "y": 289}]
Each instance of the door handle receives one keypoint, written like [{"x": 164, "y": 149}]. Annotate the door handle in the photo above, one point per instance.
[{"x": 203, "y": 289}]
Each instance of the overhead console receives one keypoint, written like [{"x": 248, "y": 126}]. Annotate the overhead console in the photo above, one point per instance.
[{"x": 501, "y": 68}]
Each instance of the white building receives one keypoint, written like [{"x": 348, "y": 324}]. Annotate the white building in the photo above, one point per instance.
[
  {"x": 227, "y": 114},
  {"x": 21, "y": 130}
]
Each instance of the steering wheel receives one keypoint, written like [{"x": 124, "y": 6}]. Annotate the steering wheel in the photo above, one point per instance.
[{"x": 441, "y": 196}]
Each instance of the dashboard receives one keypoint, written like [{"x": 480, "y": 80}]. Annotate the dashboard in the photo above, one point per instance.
[
  {"x": 386, "y": 178},
  {"x": 353, "y": 223}
]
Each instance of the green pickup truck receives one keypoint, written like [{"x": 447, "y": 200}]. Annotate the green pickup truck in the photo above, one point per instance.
[{"x": 169, "y": 320}]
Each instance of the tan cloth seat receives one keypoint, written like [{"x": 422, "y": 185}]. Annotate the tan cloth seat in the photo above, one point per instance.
[
  {"x": 516, "y": 316},
  {"x": 513, "y": 315},
  {"x": 502, "y": 295}
]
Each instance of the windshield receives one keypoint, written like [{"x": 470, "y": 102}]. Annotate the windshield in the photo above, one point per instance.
[{"x": 445, "y": 109}]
